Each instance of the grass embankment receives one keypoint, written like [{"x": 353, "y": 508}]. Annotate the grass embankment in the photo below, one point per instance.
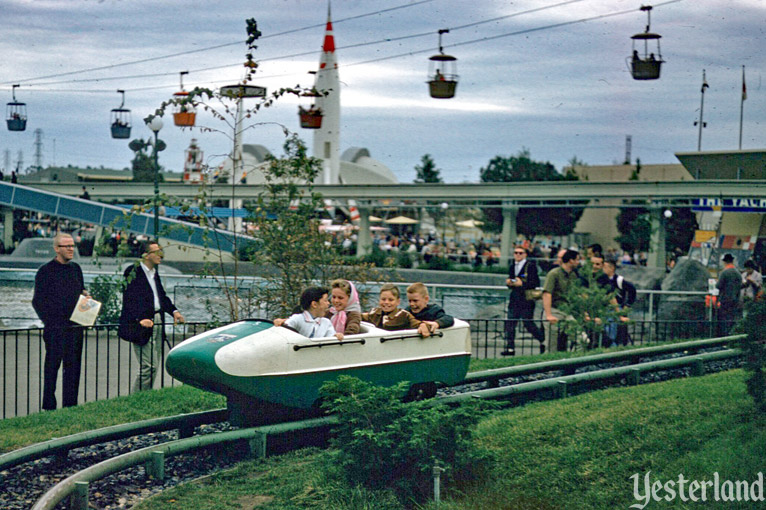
[{"x": 577, "y": 453}]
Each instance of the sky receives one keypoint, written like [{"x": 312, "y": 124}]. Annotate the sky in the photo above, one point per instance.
[{"x": 546, "y": 76}]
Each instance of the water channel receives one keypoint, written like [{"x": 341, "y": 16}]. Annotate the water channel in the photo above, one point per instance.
[{"x": 199, "y": 299}]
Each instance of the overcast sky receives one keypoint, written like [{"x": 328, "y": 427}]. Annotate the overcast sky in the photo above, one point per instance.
[{"x": 559, "y": 91}]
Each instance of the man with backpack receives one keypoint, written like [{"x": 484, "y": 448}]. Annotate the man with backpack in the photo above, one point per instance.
[{"x": 625, "y": 295}]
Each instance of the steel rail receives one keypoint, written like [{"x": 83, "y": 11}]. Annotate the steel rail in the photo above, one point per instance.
[
  {"x": 569, "y": 365},
  {"x": 558, "y": 385},
  {"x": 185, "y": 424},
  {"x": 76, "y": 485}
]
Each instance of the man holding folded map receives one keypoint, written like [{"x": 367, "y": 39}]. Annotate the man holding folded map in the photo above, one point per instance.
[{"x": 58, "y": 285}]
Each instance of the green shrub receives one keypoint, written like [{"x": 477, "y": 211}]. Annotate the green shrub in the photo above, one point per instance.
[
  {"x": 378, "y": 258},
  {"x": 440, "y": 264},
  {"x": 754, "y": 346},
  {"x": 383, "y": 443},
  {"x": 403, "y": 260}
]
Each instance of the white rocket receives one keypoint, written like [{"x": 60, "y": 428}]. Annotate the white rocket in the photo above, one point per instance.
[{"x": 327, "y": 84}]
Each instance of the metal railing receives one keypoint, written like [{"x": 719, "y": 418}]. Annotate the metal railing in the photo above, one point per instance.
[
  {"x": 489, "y": 338},
  {"x": 108, "y": 366}
]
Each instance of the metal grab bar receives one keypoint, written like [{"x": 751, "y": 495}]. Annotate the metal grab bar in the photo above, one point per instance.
[
  {"x": 405, "y": 337},
  {"x": 325, "y": 344}
]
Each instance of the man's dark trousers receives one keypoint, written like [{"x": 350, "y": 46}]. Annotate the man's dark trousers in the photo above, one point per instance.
[
  {"x": 521, "y": 310},
  {"x": 62, "y": 345}
]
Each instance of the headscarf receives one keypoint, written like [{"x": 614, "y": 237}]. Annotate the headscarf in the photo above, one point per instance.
[{"x": 340, "y": 317}]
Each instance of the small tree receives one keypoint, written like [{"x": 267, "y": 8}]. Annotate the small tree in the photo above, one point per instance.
[
  {"x": 143, "y": 167},
  {"x": 635, "y": 228},
  {"x": 286, "y": 219},
  {"x": 591, "y": 306},
  {"x": 426, "y": 171},
  {"x": 754, "y": 347},
  {"x": 530, "y": 221}
]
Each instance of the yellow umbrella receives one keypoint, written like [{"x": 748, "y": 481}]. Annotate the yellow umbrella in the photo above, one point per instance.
[{"x": 401, "y": 220}]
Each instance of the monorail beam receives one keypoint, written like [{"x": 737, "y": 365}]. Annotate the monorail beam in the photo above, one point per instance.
[{"x": 477, "y": 194}]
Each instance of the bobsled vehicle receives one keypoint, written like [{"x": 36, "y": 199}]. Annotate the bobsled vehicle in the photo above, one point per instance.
[{"x": 269, "y": 373}]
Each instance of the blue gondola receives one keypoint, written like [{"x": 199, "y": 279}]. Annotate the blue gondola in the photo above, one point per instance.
[
  {"x": 121, "y": 120},
  {"x": 16, "y": 114}
]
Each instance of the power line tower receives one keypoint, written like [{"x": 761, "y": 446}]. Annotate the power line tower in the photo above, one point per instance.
[
  {"x": 39, "y": 149},
  {"x": 7, "y": 161},
  {"x": 20, "y": 162}
]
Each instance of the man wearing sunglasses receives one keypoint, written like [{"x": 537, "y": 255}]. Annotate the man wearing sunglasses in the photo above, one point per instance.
[
  {"x": 522, "y": 277},
  {"x": 58, "y": 285}
]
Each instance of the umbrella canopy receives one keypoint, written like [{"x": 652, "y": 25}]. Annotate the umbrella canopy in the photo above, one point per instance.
[
  {"x": 469, "y": 223},
  {"x": 375, "y": 218},
  {"x": 401, "y": 220}
]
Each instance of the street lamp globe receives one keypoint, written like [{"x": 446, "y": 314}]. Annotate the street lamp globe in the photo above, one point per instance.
[
  {"x": 155, "y": 124},
  {"x": 668, "y": 213}
]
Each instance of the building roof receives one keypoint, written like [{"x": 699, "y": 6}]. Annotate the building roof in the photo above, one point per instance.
[{"x": 739, "y": 164}]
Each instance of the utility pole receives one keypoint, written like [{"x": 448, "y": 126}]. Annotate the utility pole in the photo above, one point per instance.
[
  {"x": 701, "y": 122},
  {"x": 39, "y": 149}
]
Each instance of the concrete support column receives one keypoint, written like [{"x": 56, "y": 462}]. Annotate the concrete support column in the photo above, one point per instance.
[
  {"x": 656, "y": 256},
  {"x": 7, "y": 213},
  {"x": 364, "y": 238},
  {"x": 508, "y": 237}
]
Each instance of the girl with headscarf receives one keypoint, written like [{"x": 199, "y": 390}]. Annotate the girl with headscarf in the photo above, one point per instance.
[{"x": 345, "y": 313}]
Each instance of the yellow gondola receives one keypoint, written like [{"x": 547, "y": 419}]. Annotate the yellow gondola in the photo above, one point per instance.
[
  {"x": 646, "y": 65},
  {"x": 442, "y": 73}
]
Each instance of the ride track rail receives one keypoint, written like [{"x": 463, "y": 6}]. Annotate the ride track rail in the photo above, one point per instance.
[{"x": 264, "y": 439}]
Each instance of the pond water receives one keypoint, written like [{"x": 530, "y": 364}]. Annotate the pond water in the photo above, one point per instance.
[{"x": 199, "y": 299}]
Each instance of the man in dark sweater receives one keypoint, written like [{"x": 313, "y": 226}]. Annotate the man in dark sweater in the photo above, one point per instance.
[
  {"x": 433, "y": 315},
  {"x": 729, "y": 296},
  {"x": 58, "y": 285}
]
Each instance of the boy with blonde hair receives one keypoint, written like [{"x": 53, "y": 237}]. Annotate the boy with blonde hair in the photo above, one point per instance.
[
  {"x": 387, "y": 315},
  {"x": 430, "y": 313}
]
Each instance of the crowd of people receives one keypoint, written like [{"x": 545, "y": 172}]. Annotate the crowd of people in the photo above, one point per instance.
[{"x": 734, "y": 290}]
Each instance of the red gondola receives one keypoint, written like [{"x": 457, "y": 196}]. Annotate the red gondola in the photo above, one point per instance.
[
  {"x": 442, "y": 73},
  {"x": 184, "y": 113},
  {"x": 310, "y": 118},
  {"x": 121, "y": 120},
  {"x": 646, "y": 65},
  {"x": 16, "y": 114}
]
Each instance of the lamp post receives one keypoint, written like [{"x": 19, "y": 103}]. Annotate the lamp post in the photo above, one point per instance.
[
  {"x": 155, "y": 124},
  {"x": 444, "y": 206}
]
